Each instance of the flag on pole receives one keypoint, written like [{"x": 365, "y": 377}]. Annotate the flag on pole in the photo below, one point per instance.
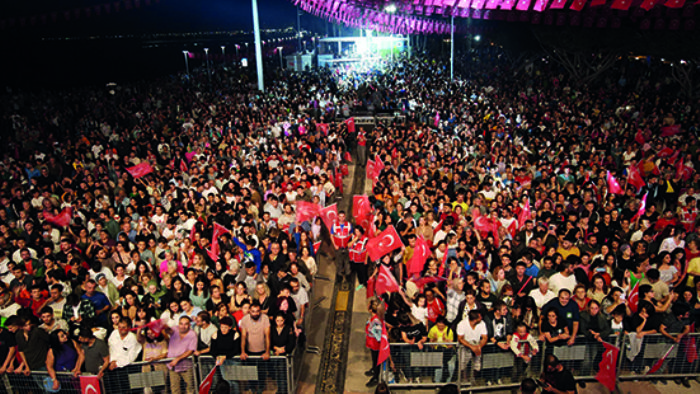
[
  {"x": 660, "y": 362},
  {"x": 607, "y": 374},
  {"x": 642, "y": 208},
  {"x": 635, "y": 178},
  {"x": 383, "y": 346},
  {"x": 525, "y": 214},
  {"x": 205, "y": 386},
  {"x": 634, "y": 298}
]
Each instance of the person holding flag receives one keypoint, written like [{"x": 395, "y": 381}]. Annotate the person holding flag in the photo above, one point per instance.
[{"x": 358, "y": 256}]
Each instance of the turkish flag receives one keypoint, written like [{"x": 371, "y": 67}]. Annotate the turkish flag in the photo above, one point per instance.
[
  {"x": 621, "y": 5},
  {"x": 317, "y": 246},
  {"x": 525, "y": 214},
  {"x": 370, "y": 287},
  {"x": 683, "y": 172},
  {"x": 634, "y": 298},
  {"x": 329, "y": 215},
  {"x": 523, "y": 5},
  {"x": 205, "y": 386},
  {"x": 635, "y": 178},
  {"x": 675, "y": 129},
  {"x": 140, "y": 170},
  {"x": 483, "y": 224},
  {"x": 90, "y": 385},
  {"x": 306, "y": 211},
  {"x": 386, "y": 242},
  {"x": 370, "y": 170},
  {"x": 658, "y": 364},
  {"x": 219, "y": 230},
  {"x": 62, "y": 219},
  {"x": 642, "y": 208},
  {"x": 351, "y": 124},
  {"x": 639, "y": 137},
  {"x": 691, "y": 350},
  {"x": 665, "y": 152},
  {"x": 324, "y": 127},
  {"x": 361, "y": 206},
  {"x": 420, "y": 254},
  {"x": 383, "y": 346},
  {"x": 613, "y": 185},
  {"x": 348, "y": 157},
  {"x": 365, "y": 221},
  {"x": 378, "y": 165},
  {"x": 607, "y": 374},
  {"x": 385, "y": 281}
]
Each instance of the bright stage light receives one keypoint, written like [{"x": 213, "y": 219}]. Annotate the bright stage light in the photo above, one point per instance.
[
  {"x": 477, "y": 38},
  {"x": 391, "y": 8}
]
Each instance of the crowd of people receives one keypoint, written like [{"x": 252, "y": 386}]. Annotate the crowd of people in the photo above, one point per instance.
[
  {"x": 552, "y": 213},
  {"x": 198, "y": 254},
  {"x": 507, "y": 177}
]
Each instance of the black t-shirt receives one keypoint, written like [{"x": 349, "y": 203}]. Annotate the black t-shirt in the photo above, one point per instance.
[
  {"x": 416, "y": 331},
  {"x": 7, "y": 342},
  {"x": 561, "y": 380},
  {"x": 554, "y": 330}
]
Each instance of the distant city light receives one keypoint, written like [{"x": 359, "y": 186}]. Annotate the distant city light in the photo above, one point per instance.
[{"x": 477, "y": 38}]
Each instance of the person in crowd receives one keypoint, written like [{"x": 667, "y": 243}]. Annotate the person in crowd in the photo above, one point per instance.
[
  {"x": 155, "y": 348},
  {"x": 255, "y": 340},
  {"x": 555, "y": 378},
  {"x": 96, "y": 358},
  {"x": 524, "y": 345},
  {"x": 472, "y": 334},
  {"x": 32, "y": 346},
  {"x": 49, "y": 323},
  {"x": 124, "y": 349},
  {"x": 181, "y": 345},
  {"x": 64, "y": 356}
]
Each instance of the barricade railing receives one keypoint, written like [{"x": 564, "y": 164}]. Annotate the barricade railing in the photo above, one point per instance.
[
  {"x": 253, "y": 374},
  {"x": 38, "y": 381},
  {"x": 153, "y": 377},
  {"x": 437, "y": 364},
  {"x": 658, "y": 357}
]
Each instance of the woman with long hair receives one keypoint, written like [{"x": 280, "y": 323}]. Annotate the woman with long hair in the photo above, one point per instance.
[{"x": 65, "y": 355}]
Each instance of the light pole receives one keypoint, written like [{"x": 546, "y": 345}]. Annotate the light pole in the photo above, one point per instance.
[
  {"x": 452, "y": 50},
  {"x": 206, "y": 55},
  {"x": 187, "y": 64},
  {"x": 258, "y": 47},
  {"x": 281, "y": 62},
  {"x": 223, "y": 52},
  {"x": 298, "y": 29}
]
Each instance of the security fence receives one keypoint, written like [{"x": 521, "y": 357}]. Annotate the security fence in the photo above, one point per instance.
[{"x": 435, "y": 364}]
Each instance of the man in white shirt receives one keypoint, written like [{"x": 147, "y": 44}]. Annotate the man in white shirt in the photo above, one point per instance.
[
  {"x": 564, "y": 279},
  {"x": 472, "y": 335},
  {"x": 542, "y": 294},
  {"x": 301, "y": 299},
  {"x": 123, "y": 346}
]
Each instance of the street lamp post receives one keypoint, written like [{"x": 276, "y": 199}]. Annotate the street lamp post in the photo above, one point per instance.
[
  {"x": 452, "y": 50},
  {"x": 237, "y": 46},
  {"x": 187, "y": 64},
  {"x": 258, "y": 48},
  {"x": 223, "y": 52},
  {"x": 206, "y": 55},
  {"x": 281, "y": 62}
]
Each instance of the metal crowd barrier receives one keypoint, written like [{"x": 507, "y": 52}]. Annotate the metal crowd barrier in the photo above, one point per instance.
[
  {"x": 675, "y": 360},
  {"x": 253, "y": 374},
  {"x": 441, "y": 363},
  {"x": 34, "y": 383}
]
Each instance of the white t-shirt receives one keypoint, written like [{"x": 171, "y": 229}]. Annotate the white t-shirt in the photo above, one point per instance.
[
  {"x": 469, "y": 334},
  {"x": 558, "y": 282},
  {"x": 542, "y": 299}
]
